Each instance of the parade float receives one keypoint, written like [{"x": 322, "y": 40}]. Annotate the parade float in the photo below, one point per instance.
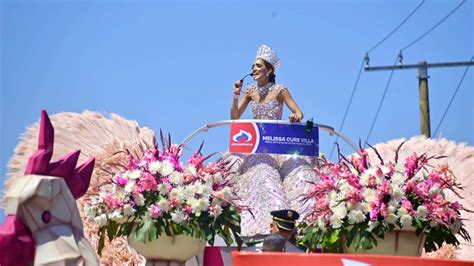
[{"x": 119, "y": 207}]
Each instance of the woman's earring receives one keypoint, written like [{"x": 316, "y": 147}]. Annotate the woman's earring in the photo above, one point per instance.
[{"x": 268, "y": 74}]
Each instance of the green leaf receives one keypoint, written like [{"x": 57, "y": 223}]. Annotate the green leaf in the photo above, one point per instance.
[
  {"x": 112, "y": 229},
  {"x": 101, "y": 241}
]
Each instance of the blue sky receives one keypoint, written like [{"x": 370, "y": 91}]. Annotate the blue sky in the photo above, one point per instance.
[{"x": 171, "y": 64}]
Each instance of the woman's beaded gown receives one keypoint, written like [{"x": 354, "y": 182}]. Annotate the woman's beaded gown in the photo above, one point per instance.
[{"x": 267, "y": 182}]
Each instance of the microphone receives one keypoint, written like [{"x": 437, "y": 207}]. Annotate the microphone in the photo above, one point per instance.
[{"x": 249, "y": 74}]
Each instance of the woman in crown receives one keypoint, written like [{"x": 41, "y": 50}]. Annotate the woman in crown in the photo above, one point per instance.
[{"x": 268, "y": 182}]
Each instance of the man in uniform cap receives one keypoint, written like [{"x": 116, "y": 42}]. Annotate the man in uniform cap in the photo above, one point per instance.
[{"x": 284, "y": 223}]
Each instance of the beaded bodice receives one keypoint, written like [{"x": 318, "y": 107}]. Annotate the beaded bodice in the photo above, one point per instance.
[{"x": 271, "y": 110}]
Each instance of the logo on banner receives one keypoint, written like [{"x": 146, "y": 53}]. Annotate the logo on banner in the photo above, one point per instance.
[{"x": 243, "y": 137}]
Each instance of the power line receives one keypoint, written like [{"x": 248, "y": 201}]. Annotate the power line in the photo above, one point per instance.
[
  {"x": 381, "y": 102},
  {"x": 348, "y": 106},
  {"x": 434, "y": 27},
  {"x": 452, "y": 98},
  {"x": 400, "y": 56},
  {"x": 397, "y": 27},
  {"x": 362, "y": 65}
]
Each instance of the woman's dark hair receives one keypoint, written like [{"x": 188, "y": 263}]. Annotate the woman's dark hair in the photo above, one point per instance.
[{"x": 272, "y": 75}]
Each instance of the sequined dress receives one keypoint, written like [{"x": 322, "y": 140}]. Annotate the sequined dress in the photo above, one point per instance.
[{"x": 267, "y": 182}]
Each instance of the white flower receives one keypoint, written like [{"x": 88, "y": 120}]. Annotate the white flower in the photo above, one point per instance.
[
  {"x": 128, "y": 210},
  {"x": 154, "y": 167},
  {"x": 177, "y": 193},
  {"x": 164, "y": 205},
  {"x": 391, "y": 218},
  {"x": 205, "y": 190},
  {"x": 321, "y": 223},
  {"x": 385, "y": 169},
  {"x": 207, "y": 178},
  {"x": 332, "y": 198},
  {"x": 202, "y": 204},
  {"x": 116, "y": 216},
  {"x": 350, "y": 205},
  {"x": 135, "y": 174},
  {"x": 166, "y": 168},
  {"x": 227, "y": 193},
  {"x": 190, "y": 169},
  {"x": 397, "y": 193},
  {"x": 371, "y": 171},
  {"x": 89, "y": 212},
  {"x": 356, "y": 217},
  {"x": 335, "y": 221},
  {"x": 421, "y": 211},
  {"x": 345, "y": 188},
  {"x": 391, "y": 209},
  {"x": 101, "y": 219},
  {"x": 139, "y": 199},
  {"x": 189, "y": 191},
  {"x": 176, "y": 178},
  {"x": 193, "y": 203},
  {"x": 406, "y": 220},
  {"x": 394, "y": 203},
  {"x": 434, "y": 190},
  {"x": 369, "y": 194},
  {"x": 217, "y": 177},
  {"x": 120, "y": 194},
  {"x": 215, "y": 210},
  {"x": 340, "y": 211},
  {"x": 130, "y": 184},
  {"x": 363, "y": 207},
  {"x": 163, "y": 189},
  {"x": 398, "y": 178},
  {"x": 178, "y": 216},
  {"x": 402, "y": 211},
  {"x": 433, "y": 223},
  {"x": 372, "y": 225},
  {"x": 364, "y": 179}
]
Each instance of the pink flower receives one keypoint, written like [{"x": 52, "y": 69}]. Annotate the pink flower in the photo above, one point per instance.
[
  {"x": 174, "y": 202},
  {"x": 121, "y": 181},
  {"x": 188, "y": 178},
  {"x": 155, "y": 211},
  {"x": 407, "y": 205},
  {"x": 218, "y": 194},
  {"x": 410, "y": 185},
  {"x": 187, "y": 209},
  {"x": 374, "y": 214},
  {"x": 455, "y": 206},
  {"x": 148, "y": 182},
  {"x": 132, "y": 163},
  {"x": 112, "y": 202},
  {"x": 195, "y": 160}
]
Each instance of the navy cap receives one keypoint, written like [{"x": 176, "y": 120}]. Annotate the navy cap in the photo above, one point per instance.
[{"x": 285, "y": 219}]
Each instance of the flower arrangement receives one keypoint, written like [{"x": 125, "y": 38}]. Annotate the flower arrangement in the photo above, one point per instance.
[
  {"x": 356, "y": 202},
  {"x": 158, "y": 195}
]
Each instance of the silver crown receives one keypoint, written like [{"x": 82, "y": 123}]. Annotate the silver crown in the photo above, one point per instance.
[{"x": 266, "y": 53}]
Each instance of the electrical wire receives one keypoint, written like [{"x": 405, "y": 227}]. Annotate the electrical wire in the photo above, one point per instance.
[
  {"x": 348, "y": 106},
  {"x": 397, "y": 27},
  {"x": 452, "y": 98},
  {"x": 381, "y": 103},
  {"x": 362, "y": 66},
  {"x": 404, "y": 48},
  {"x": 434, "y": 27}
]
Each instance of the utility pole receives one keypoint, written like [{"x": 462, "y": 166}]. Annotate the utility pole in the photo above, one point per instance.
[{"x": 422, "y": 84}]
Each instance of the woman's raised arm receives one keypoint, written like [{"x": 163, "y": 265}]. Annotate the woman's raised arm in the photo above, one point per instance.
[{"x": 238, "y": 108}]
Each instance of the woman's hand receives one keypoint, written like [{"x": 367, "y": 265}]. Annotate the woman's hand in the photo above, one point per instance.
[
  {"x": 296, "y": 117},
  {"x": 238, "y": 87}
]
